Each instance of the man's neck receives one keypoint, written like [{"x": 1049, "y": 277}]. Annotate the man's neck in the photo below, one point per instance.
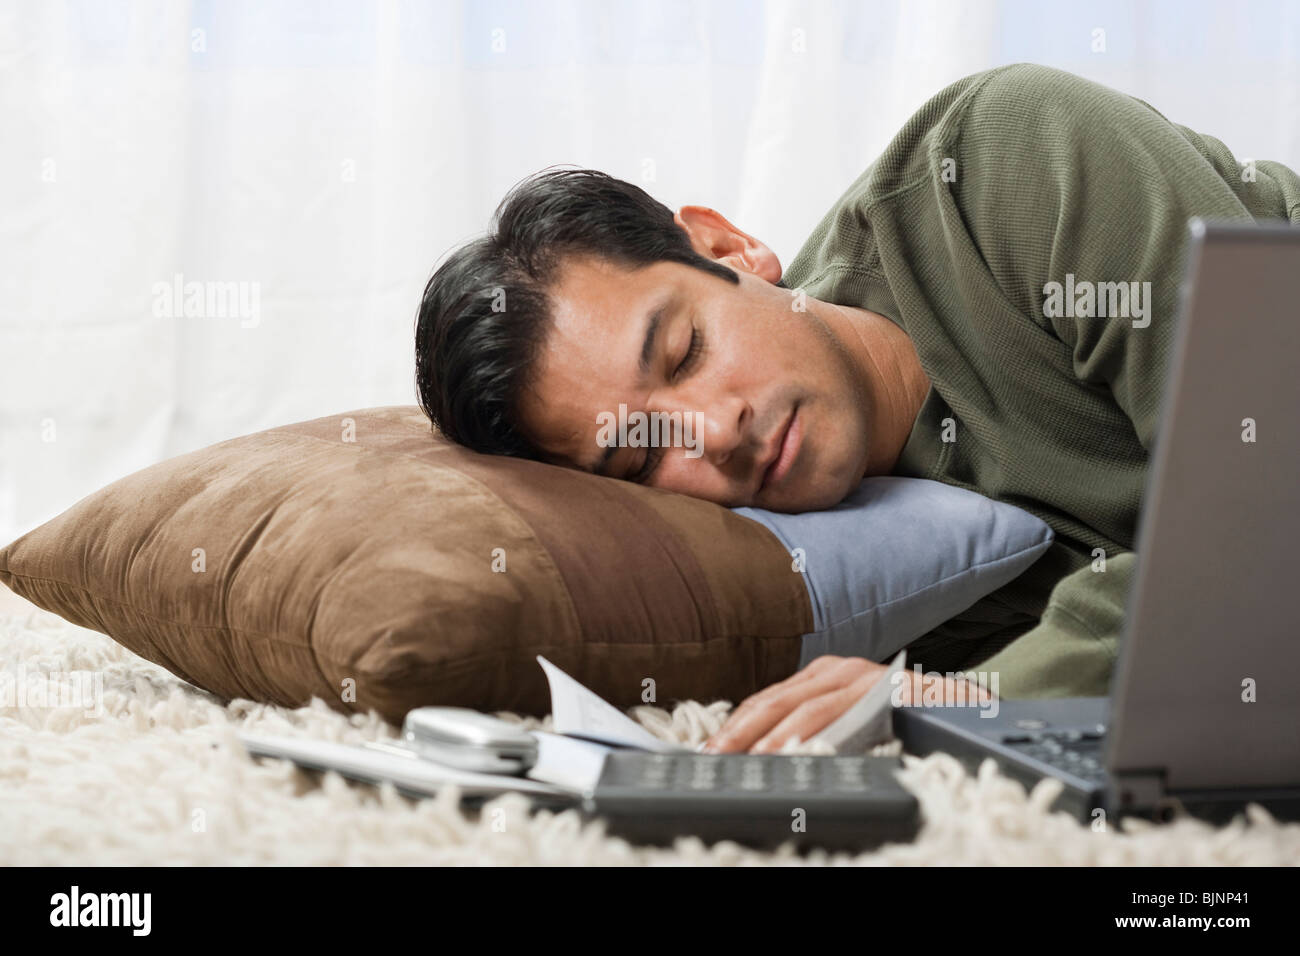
[{"x": 896, "y": 384}]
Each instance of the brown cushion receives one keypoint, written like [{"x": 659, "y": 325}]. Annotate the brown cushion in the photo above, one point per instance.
[{"x": 339, "y": 555}]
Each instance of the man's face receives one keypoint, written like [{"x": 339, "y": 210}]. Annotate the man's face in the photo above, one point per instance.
[{"x": 782, "y": 407}]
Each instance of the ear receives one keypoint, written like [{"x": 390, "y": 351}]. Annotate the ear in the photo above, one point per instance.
[{"x": 713, "y": 237}]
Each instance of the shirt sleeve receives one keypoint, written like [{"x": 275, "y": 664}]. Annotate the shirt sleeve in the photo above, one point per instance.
[
  {"x": 1058, "y": 176},
  {"x": 1072, "y": 649}
]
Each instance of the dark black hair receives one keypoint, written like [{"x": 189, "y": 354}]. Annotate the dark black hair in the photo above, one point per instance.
[{"x": 472, "y": 355}]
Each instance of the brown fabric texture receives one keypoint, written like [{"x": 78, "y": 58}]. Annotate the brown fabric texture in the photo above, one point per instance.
[{"x": 351, "y": 558}]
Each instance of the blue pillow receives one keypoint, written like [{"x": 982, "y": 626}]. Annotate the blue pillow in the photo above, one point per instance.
[{"x": 898, "y": 557}]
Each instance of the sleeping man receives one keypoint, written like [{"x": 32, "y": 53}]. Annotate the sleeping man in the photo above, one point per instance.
[{"x": 991, "y": 304}]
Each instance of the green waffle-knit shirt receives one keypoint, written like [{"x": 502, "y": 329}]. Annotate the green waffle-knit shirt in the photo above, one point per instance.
[{"x": 1001, "y": 183}]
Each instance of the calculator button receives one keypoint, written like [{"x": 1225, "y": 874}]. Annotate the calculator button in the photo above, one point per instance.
[
  {"x": 704, "y": 775},
  {"x": 802, "y": 779},
  {"x": 753, "y": 774},
  {"x": 848, "y": 774}
]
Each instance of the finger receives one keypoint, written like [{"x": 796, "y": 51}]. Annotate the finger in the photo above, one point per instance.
[
  {"x": 750, "y": 723},
  {"x": 758, "y": 711},
  {"x": 763, "y": 710},
  {"x": 818, "y": 668},
  {"x": 814, "y": 715}
]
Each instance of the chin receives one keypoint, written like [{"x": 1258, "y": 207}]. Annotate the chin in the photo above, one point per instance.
[
  {"x": 831, "y": 498},
  {"x": 812, "y": 499}
]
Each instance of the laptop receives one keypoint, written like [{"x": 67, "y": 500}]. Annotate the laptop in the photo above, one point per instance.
[{"x": 1204, "y": 706}]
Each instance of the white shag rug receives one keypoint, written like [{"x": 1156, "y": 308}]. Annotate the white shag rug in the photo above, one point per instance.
[{"x": 140, "y": 784}]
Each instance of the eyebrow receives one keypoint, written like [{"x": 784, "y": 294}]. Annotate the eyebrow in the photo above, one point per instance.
[{"x": 653, "y": 323}]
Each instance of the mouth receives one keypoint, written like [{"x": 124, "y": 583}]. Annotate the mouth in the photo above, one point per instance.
[{"x": 786, "y": 449}]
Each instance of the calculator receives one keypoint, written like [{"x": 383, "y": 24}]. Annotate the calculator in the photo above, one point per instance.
[{"x": 760, "y": 800}]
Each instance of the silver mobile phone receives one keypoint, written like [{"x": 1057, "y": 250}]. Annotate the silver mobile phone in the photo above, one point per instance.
[{"x": 464, "y": 738}]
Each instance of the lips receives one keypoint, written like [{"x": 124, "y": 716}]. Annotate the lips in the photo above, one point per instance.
[{"x": 787, "y": 449}]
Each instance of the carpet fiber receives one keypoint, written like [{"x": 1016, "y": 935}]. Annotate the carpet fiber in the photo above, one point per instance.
[{"x": 140, "y": 783}]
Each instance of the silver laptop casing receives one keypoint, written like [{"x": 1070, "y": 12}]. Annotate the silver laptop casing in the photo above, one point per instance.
[{"x": 1206, "y": 691}]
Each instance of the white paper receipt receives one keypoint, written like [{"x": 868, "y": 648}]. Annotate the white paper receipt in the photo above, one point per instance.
[{"x": 579, "y": 712}]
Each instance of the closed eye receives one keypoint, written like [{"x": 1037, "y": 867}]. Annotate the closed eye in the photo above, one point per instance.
[
  {"x": 692, "y": 354},
  {"x": 655, "y": 455}
]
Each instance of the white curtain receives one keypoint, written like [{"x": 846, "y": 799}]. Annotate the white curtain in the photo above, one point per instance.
[{"x": 310, "y": 162}]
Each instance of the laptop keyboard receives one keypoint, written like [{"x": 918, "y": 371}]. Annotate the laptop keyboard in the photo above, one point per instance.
[{"x": 1076, "y": 752}]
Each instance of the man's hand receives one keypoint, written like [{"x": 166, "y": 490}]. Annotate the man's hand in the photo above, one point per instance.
[{"x": 811, "y": 700}]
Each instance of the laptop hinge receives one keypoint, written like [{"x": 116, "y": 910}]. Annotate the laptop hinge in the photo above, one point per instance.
[{"x": 1138, "y": 789}]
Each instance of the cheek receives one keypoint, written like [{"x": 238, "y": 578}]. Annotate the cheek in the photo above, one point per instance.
[
  {"x": 695, "y": 477},
  {"x": 782, "y": 350}
]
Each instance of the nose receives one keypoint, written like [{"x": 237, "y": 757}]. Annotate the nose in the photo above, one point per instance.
[{"x": 720, "y": 423}]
